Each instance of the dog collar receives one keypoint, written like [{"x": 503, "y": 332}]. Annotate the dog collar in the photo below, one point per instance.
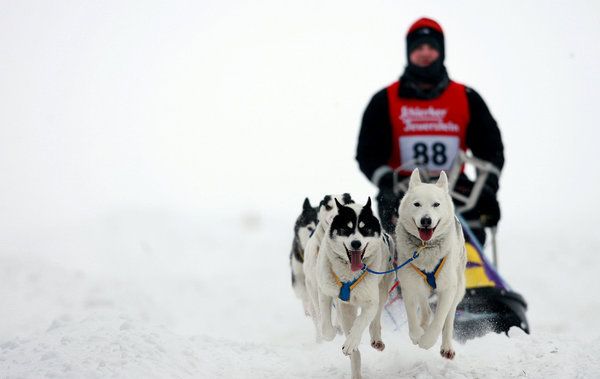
[
  {"x": 430, "y": 277},
  {"x": 347, "y": 287}
]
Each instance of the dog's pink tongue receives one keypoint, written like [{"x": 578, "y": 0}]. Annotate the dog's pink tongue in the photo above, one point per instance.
[
  {"x": 425, "y": 234},
  {"x": 356, "y": 261}
]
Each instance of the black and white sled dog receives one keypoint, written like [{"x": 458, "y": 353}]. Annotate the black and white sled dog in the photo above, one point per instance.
[
  {"x": 326, "y": 212},
  {"x": 427, "y": 224},
  {"x": 354, "y": 239},
  {"x": 305, "y": 225}
]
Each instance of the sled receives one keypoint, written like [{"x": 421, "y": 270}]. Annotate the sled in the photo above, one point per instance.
[{"x": 489, "y": 305}]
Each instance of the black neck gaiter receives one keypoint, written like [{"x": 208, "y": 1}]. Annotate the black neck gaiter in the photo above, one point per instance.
[{"x": 433, "y": 75}]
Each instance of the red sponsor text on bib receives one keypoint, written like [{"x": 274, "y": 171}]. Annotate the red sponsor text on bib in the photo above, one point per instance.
[{"x": 428, "y": 133}]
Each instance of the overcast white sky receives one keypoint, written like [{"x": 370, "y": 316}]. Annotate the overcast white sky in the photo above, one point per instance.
[{"x": 195, "y": 105}]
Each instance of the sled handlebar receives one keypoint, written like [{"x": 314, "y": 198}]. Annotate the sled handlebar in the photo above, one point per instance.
[{"x": 484, "y": 169}]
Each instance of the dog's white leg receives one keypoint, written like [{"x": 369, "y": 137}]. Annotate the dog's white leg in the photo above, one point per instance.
[
  {"x": 447, "y": 351},
  {"x": 347, "y": 315},
  {"x": 300, "y": 291},
  {"x": 367, "y": 313},
  {"x": 355, "y": 364},
  {"x": 415, "y": 331},
  {"x": 313, "y": 309},
  {"x": 445, "y": 300},
  {"x": 375, "y": 327},
  {"x": 306, "y": 307},
  {"x": 337, "y": 322},
  {"x": 327, "y": 330},
  {"x": 425, "y": 311}
]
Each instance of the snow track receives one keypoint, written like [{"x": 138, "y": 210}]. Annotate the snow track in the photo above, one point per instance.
[{"x": 215, "y": 311}]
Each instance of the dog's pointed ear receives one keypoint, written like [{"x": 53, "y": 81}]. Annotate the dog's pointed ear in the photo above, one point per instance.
[
  {"x": 306, "y": 205},
  {"x": 415, "y": 178},
  {"x": 337, "y": 203},
  {"x": 368, "y": 205},
  {"x": 442, "y": 182}
]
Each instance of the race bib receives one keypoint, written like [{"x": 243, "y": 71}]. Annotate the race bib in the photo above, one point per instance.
[{"x": 433, "y": 153}]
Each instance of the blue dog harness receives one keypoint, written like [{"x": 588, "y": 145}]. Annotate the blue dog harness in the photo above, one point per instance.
[
  {"x": 347, "y": 287},
  {"x": 430, "y": 277}
]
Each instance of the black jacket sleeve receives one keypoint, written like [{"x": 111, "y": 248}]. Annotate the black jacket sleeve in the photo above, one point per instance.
[
  {"x": 483, "y": 135},
  {"x": 375, "y": 138}
]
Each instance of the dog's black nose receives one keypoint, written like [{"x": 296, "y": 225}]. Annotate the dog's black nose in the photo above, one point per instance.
[
  {"x": 426, "y": 222},
  {"x": 355, "y": 244}
]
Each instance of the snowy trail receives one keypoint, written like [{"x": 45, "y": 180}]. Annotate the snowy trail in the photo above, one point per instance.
[
  {"x": 121, "y": 347},
  {"x": 191, "y": 308}
]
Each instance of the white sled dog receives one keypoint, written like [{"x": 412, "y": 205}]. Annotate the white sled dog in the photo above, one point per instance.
[
  {"x": 304, "y": 226},
  {"x": 326, "y": 213},
  {"x": 427, "y": 224},
  {"x": 354, "y": 239}
]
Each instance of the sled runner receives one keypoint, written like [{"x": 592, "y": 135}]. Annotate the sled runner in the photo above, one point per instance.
[{"x": 489, "y": 303}]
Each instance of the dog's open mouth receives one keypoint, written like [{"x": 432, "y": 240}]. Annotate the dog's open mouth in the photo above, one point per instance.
[
  {"x": 426, "y": 233},
  {"x": 355, "y": 257}
]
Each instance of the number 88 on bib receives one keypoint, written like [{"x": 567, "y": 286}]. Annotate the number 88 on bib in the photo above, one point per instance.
[{"x": 432, "y": 153}]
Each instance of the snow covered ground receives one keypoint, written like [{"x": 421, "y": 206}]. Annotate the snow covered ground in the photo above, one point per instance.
[
  {"x": 189, "y": 295},
  {"x": 154, "y": 157}
]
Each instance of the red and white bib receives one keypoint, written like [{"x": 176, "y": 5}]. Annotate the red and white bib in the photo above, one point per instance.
[{"x": 428, "y": 133}]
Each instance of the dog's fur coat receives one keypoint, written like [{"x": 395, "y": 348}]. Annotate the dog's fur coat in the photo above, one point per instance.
[
  {"x": 354, "y": 238},
  {"x": 427, "y": 224},
  {"x": 305, "y": 225},
  {"x": 326, "y": 212}
]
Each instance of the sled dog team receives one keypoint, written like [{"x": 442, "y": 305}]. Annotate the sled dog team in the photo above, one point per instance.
[{"x": 340, "y": 244}]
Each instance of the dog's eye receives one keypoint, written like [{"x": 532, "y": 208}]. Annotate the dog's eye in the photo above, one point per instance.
[
  {"x": 417, "y": 204},
  {"x": 310, "y": 229},
  {"x": 435, "y": 205},
  {"x": 327, "y": 207}
]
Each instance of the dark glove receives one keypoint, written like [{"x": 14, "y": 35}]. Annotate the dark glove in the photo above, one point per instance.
[
  {"x": 488, "y": 207},
  {"x": 387, "y": 207},
  {"x": 386, "y": 182},
  {"x": 492, "y": 183}
]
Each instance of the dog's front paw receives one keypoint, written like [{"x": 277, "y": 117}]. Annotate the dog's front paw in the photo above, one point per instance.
[
  {"x": 328, "y": 333},
  {"x": 306, "y": 311},
  {"x": 378, "y": 345},
  {"x": 448, "y": 353},
  {"x": 351, "y": 344},
  {"x": 428, "y": 339},
  {"x": 416, "y": 334}
]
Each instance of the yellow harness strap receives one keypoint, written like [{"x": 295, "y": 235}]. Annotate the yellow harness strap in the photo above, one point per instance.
[{"x": 429, "y": 277}]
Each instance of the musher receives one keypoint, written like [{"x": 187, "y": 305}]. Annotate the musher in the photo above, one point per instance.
[{"x": 423, "y": 120}]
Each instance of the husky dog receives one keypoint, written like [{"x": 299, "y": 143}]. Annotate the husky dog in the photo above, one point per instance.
[
  {"x": 305, "y": 225},
  {"x": 428, "y": 225},
  {"x": 327, "y": 211},
  {"x": 354, "y": 240}
]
